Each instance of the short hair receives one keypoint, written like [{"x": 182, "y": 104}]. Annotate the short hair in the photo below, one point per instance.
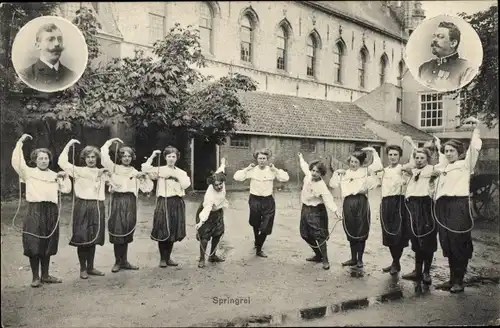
[
  {"x": 319, "y": 165},
  {"x": 34, "y": 154},
  {"x": 264, "y": 151},
  {"x": 459, "y": 146},
  {"x": 216, "y": 177},
  {"x": 89, "y": 150},
  {"x": 171, "y": 150},
  {"x": 49, "y": 27},
  {"x": 424, "y": 151},
  {"x": 126, "y": 149},
  {"x": 359, "y": 155},
  {"x": 394, "y": 147},
  {"x": 453, "y": 31}
]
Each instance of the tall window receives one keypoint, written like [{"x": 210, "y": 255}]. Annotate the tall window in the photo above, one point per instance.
[
  {"x": 156, "y": 27},
  {"x": 246, "y": 39},
  {"x": 338, "y": 52},
  {"x": 383, "y": 69},
  {"x": 206, "y": 19},
  {"x": 282, "y": 45},
  {"x": 311, "y": 55},
  {"x": 362, "y": 68},
  {"x": 401, "y": 68},
  {"x": 431, "y": 110}
]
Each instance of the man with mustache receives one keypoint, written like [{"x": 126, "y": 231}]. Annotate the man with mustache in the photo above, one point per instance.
[
  {"x": 448, "y": 71},
  {"x": 48, "y": 73}
]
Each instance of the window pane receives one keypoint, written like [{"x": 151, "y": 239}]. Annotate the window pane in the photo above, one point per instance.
[
  {"x": 280, "y": 59},
  {"x": 336, "y": 58},
  {"x": 310, "y": 51},
  {"x": 245, "y": 54},
  {"x": 205, "y": 39},
  {"x": 310, "y": 66},
  {"x": 156, "y": 27},
  {"x": 246, "y": 34},
  {"x": 281, "y": 42}
]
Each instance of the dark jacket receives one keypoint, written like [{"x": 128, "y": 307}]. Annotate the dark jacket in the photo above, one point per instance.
[
  {"x": 41, "y": 76},
  {"x": 446, "y": 74}
]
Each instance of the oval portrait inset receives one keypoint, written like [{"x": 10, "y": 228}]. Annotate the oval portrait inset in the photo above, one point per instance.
[
  {"x": 444, "y": 53},
  {"x": 49, "y": 54}
]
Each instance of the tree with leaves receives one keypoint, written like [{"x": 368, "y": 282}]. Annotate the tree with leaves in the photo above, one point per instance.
[
  {"x": 162, "y": 93},
  {"x": 482, "y": 93}
]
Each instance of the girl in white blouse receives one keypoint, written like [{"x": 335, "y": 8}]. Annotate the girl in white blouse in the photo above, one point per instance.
[
  {"x": 354, "y": 184},
  {"x": 316, "y": 198},
  {"x": 89, "y": 211},
  {"x": 261, "y": 201},
  {"x": 169, "y": 218},
  {"x": 418, "y": 205},
  {"x": 41, "y": 224},
  {"x": 452, "y": 210},
  {"x": 122, "y": 218},
  {"x": 210, "y": 215},
  {"x": 392, "y": 212}
]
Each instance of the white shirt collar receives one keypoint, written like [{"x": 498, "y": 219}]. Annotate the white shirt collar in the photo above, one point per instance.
[{"x": 56, "y": 66}]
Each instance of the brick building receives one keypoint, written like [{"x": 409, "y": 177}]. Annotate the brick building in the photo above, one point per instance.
[{"x": 329, "y": 72}]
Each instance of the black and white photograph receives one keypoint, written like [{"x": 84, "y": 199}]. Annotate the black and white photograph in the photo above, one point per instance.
[
  {"x": 249, "y": 164},
  {"x": 444, "y": 53},
  {"x": 49, "y": 54}
]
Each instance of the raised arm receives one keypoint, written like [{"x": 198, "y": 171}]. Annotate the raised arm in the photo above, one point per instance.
[
  {"x": 303, "y": 165},
  {"x": 222, "y": 167},
  {"x": 376, "y": 165},
  {"x": 18, "y": 161},
  {"x": 411, "y": 161},
  {"x": 243, "y": 174},
  {"x": 148, "y": 167},
  {"x": 280, "y": 174},
  {"x": 63, "y": 161},
  {"x": 472, "y": 154},
  {"x": 105, "y": 158}
]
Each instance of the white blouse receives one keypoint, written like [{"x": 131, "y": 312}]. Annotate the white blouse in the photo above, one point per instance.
[
  {"x": 454, "y": 177},
  {"x": 123, "y": 177},
  {"x": 166, "y": 186},
  {"x": 214, "y": 200},
  {"x": 392, "y": 181},
  {"x": 41, "y": 186},
  {"x": 357, "y": 182},
  {"x": 315, "y": 192},
  {"x": 261, "y": 180},
  {"x": 422, "y": 186},
  {"x": 89, "y": 182}
]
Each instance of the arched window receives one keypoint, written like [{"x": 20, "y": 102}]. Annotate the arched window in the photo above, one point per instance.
[
  {"x": 383, "y": 69},
  {"x": 246, "y": 39},
  {"x": 282, "y": 48},
  {"x": 206, "y": 19},
  {"x": 401, "y": 68},
  {"x": 338, "y": 53},
  {"x": 363, "y": 56},
  {"x": 312, "y": 45}
]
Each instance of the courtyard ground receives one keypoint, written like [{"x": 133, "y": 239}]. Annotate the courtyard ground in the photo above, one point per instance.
[{"x": 184, "y": 295}]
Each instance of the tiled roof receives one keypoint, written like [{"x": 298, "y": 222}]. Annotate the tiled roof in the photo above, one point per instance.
[
  {"x": 406, "y": 130},
  {"x": 371, "y": 12},
  {"x": 273, "y": 114}
]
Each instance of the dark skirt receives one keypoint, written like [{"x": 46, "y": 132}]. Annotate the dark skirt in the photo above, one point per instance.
[
  {"x": 453, "y": 212},
  {"x": 213, "y": 227},
  {"x": 422, "y": 224},
  {"x": 394, "y": 222},
  {"x": 123, "y": 218},
  {"x": 314, "y": 224},
  {"x": 89, "y": 223},
  {"x": 173, "y": 229},
  {"x": 356, "y": 210},
  {"x": 41, "y": 220},
  {"x": 262, "y": 211}
]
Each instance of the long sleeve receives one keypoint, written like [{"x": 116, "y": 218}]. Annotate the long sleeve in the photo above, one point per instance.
[
  {"x": 304, "y": 166},
  {"x": 105, "y": 158},
  {"x": 328, "y": 199},
  {"x": 242, "y": 175},
  {"x": 18, "y": 161},
  {"x": 282, "y": 176},
  {"x": 442, "y": 161},
  {"x": 472, "y": 154},
  {"x": 411, "y": 163},
  {"x": 376, "y": 165},
  {"x": 65, "y": 185},
  {"x": 207, "y": 208},
  {"x": 221, "y": 169},
  {"x": 183, "y": 178},
  {"x": 335, "y": 180},
  {"x": 148, "y": 167}
]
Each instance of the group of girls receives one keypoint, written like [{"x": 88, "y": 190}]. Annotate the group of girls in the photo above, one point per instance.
[{"x": 420, "y": 200}]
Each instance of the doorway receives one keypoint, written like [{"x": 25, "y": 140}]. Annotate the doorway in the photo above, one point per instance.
[{"x": 204, "y": 161}]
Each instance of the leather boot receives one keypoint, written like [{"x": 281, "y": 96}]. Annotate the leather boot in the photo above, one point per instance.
[
  {"x": 203, "y": 248},
  {"x": 324, "y": 255},
  {"x": 317, "y": 257}
]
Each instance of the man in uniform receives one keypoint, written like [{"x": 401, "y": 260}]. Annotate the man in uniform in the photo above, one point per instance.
[
  {"x": 48, "y": 73},
  {"x": 447, "y": 72}
]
